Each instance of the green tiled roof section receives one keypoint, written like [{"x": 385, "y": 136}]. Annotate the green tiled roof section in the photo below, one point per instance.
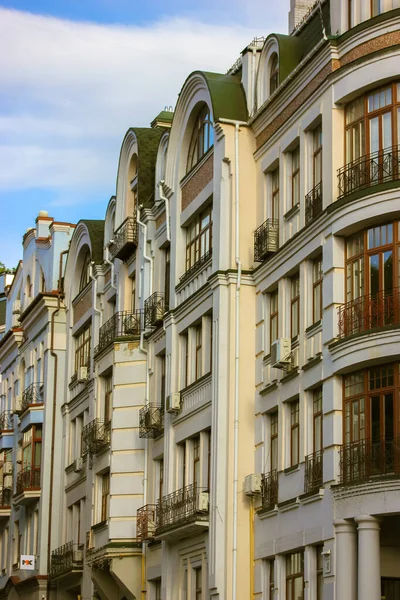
[
  {"x": 3, "y": 304},
  {"x": 227, "y": 96},
  {"x": 96, "y": 233},
  {"x": 165, "y": 116},
  {"x": 148, "y": 140},
  {"x": 290, "y": 54}
]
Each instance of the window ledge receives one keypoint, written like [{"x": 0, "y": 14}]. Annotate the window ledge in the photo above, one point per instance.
[
  {"x": 314, "y": 327},
  {"x": 266, "y": 513},
  {"x": 269, "y": 388},
  {"x": 291, "y": 375},
  {"x": 289, "y": 504},
  {"x": 292, "y": 469},
  {"x": 313, "y": 496},
  {"x": 99, "y": 526},
  {"x": 292, "y": 211},
  {"x": 313, "y": 361}
]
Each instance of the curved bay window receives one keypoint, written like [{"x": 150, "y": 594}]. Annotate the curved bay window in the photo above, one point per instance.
[
  {"x": 202, "y": 137},
  {"x": 372, "y": 274},
  {"x": 273, "y": 74},
  {"x": 372, "y": 137},
  {"x": 371, "y": 423}
]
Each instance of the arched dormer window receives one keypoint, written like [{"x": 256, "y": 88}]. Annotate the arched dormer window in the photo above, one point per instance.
[
  {"x": 85, "y": 273},
  {"x": 273, "y": 74},
  {"x": 202, "y": 137}
]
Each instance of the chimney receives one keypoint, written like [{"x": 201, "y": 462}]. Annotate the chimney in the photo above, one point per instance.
[
  {"x": 298, "y": 10},
  {"x": 43, "y": 222}
]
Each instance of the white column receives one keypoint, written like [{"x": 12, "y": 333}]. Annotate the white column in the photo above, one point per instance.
[
  {"x": 346, "y": 560},
  {"x": 369, "y": 571}
]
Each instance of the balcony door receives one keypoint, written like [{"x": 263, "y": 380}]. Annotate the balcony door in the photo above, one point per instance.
[
  {"x": 380, "y": 138},
  {"x": 382, "y": 433}
]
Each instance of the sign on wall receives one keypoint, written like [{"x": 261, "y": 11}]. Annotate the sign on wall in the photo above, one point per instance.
[{"x": 27, "y": 562}]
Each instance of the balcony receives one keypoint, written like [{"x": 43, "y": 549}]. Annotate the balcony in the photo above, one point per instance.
[
  {"x": 146, "y": 523},
  {"x": 6, "y": 430},
  {"x": 365, "y": 460},
  {"x": 313, "y": 474},
  {"x": 197, "y": 266},
  {"x": 366, "y": 313},
  {"x": 32, "y": 395},
  {"x": 155, "y": 308},
  {"x": 126, "y": 324},
  {"x": 28, "y": 485},
  {"x": 96, "y": 436},
  {"x": 182, "y": 514},
  {"x": 313, "y": 202},
  {"x": 266, "y": 239},
  {"x": 370, "y": 170},
  {"x": 151, "y": 421},
  {"x": 5, "y": 503},
  {"x": 269, "y": 490},
  {"x": 125, "y": 239},
  {"x": 66, "y": 559}
]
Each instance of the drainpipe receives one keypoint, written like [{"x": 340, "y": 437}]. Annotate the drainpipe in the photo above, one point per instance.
[
  {"x": 166, "y": 201},
  {"x": 150, "y": 260},
  {"x": 53, "y": 424},
  {"x": 237, "y": 125},
  {"x": 96, "y": 310},
  {"x": 108, "y": 261}
]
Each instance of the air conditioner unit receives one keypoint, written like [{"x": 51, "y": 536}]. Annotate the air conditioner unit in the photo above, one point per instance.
[
  {"x": 173, "y": 404},
  {"x": 19, "y": 456},
  {"x": 202, "y": 502},
  {"x": 281, "y": 355},
  {"x": 252, "y": 484},
  {"x": 7, "y": 482},
  {"x": 16, "y": 405},
  {"x": 152, "y": 420},
  {"x": 82, "y": 374},
  {"x": 7, "y": 468},
  {"x": 78, "y": 464}
]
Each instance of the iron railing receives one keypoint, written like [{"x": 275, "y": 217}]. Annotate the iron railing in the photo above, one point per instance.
[
  {"x": 365, "y": 459},
  {"x": 28, "y": 479},
  {"x": 151, "y": 421},
  {"x": 125, "y": 239},
  {"x": 123, "y": 324},
  {"x": 313, "y": 473},
  {"x": 66, "y": 558},
  {"x": 269, "y": 489},
  {"x": 313, "y": 203},
  {"x": 369, "y": 170},
  {"x": 369, "y": 312},
  {"x": 33, "y": 394},
  {"x": 154, "y": 309},
  {"x": 266, "y": 239},
  {"x": 146, "y": 522},
  {"x": 196, "y": 267},
  {"x": 183, "y": 506},
  {"x": 5, "y": 498},
  {"x": 6, "y": 421},
  {"x": 96, "y": 436}
]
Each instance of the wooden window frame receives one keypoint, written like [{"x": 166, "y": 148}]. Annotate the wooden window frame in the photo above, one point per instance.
[
  {"x": 317, "y": 417},
  {"x": 85, "y": 273},
  {"x": 83, "y": 342},
  {"x": 108, "y": 389},
  {"x": 198, "y": 235},
  {"x": 202, "y": 139},
  {"x": 317, "y": 287},
  {"x": 294, "y": 305},
  {"x": 105, "y": 496},
  {"x": 271, "y": 579},
  {"x": 291, "y": 577},
  {"x": 196, "y": 460},
  {"x": 273, "y": 315},
  {"x": 161, "y": 478},
  {"x": 294, "y": 433},
  {"x": 317, "y": 153},
  {"x": 273, "y": 73},
  {"x": 275, "y": 208},
  {"x": 274, "y": 433},
  {"x": 295, "y": 176},
  {"x": 198, "y": 588},
  {"x": 198, "y": 352}
]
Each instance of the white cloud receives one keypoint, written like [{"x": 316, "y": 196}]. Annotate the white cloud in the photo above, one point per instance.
[{"x": 70, "y": 90}]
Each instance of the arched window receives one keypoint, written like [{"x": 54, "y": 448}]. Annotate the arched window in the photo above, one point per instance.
[
  {"x": 85, "y": 273},
  {"x": 28, "y": 287},
  {"x": 202, "y": 137},
  {"x": 273, "y": 74}
]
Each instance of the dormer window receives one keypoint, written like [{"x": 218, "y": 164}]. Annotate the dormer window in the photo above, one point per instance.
[
  {"x": 85, "y": 274},
  {"x": 273, "y": 74},
  {"x": 202, "y": 137}
]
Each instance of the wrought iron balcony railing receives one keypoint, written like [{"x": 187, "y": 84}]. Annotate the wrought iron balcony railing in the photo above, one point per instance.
[
  {"x": 369, "y": 312},
  {"x": 365, "y": 459},
  {"x": 196, "y": 267},
  {"x": 125, "y": 239},
  {"x": 151, "y": 421},
  {"x": 6, "y": 421},
  {"x": 96, "y": 436},
  {"x": 146, "y": 522},
  {"x": 5, "y": 498},
  {"x": 266, "y": 239},
  {"x": 181, "y": 507},
  {"x": 313, "y": 474},
  {"x": 28, "y": 479},
  {"x": 314, "y": 203},
  {"x": 154, "y": 309},
  {"x": 33, "y": 394},
  {"x": 123, "y": 324},
  {"x": 66, "y": 558},
  {"x": 369, "y": 170},
  {"x": 269, "y": 489}
]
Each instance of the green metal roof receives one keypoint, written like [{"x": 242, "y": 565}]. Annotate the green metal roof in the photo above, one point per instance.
[
  {"x": 3, "y": 304},
  {"x": 96, "y": 233},
  {"x": 227, "y": 96}
]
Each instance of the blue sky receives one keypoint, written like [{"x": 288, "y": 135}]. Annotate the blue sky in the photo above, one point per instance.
[{"x": 74, "y": 75}]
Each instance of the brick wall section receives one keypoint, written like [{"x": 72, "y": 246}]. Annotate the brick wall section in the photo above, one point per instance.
[
  {"x": 160, "y": 220},
  {"x": 192, "y": 188},
  {"x": 380, "y": 43},
  {"x": 83, "y": 304}
]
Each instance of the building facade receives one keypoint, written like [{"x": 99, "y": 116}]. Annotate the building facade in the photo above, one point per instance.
[{"x": 223, "y": 418}]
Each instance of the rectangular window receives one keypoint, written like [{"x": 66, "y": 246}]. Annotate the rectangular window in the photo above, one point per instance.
[
  {"x": 161, "y": 478},
  {"x": 294, "y": 433},
  {"x": 199, "y": 369},
  {"x": 296, "y": 177},
  {"x": 105, "y": 496},
  {"x": 271, "y": 565},
  {"x": 196, "y": 462},
  {"x": 317, "y": 155},
  {"x": 199, "y": 238},
  {"x": 167, "y": 279},
  {"x": 317, "y": 290},
  {"x": 157, "y": 589},
  {"x": 185, "y": 359},
  {"x": 198, "y": 583},
  {"x": 274, "y": 440},
  {"x": 294, "y": 305},
  {"x": 295, "y": 576},
  {"x": 82, "y": 348},
  {"x": 107, "y": 398},
  {"x": 162, "y": 381},
  {"x": 275, "y": 194},
  {"x": 133, "y": 293},
  {"x": 273, "y": 327},
  {"x": 320, "y": 573},
  {"x": 317, "y": 419}
]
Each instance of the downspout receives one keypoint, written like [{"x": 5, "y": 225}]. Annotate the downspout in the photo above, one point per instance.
[
  {"x": 150, "y": 261},
  {"x": 53, "y": 424},
  {"x": 237, "y": 125},
  {"x": 96, "y": 310},
  {"x": 109, "y": 262},
  {"x": 166, "y": 201}
]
